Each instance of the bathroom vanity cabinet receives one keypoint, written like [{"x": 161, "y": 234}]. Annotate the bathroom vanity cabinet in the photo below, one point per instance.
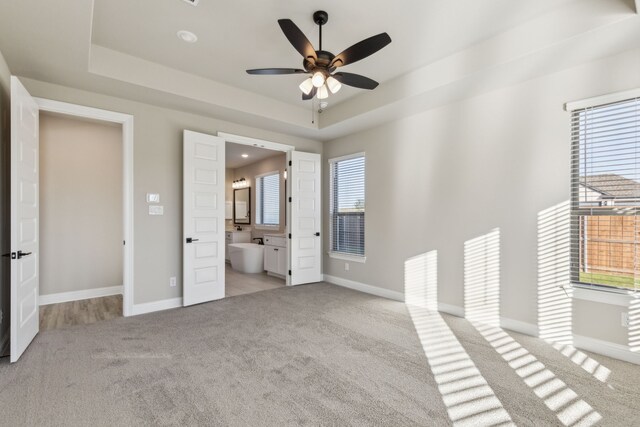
[
  {"x": 275, "y": 254},
  {"x": 243, "y": 236}
]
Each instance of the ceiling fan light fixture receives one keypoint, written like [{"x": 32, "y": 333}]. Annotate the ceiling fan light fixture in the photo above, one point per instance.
[
  {"x": 306, "y": 86},
  {"x": 318, "y": 79},
  {"x": 323, "y": 92},
  {"x": 333, "y": 84}
]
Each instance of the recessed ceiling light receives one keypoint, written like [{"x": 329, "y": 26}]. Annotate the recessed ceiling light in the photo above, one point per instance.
[
  {"x": 245, "y": 156},
  {"x": 187, "y": 36}
]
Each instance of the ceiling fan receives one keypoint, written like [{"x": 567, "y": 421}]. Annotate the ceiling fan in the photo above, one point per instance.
[{"x": 321, "y": 64}]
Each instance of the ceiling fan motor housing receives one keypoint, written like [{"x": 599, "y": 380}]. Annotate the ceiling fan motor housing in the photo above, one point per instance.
[{"x": 323, "y": 60}]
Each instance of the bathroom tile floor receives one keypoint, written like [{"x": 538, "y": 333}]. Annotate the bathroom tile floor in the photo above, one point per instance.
[{"x": 241, "y": 283}]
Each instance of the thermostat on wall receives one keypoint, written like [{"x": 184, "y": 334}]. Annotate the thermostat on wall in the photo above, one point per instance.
[
  {"x": 156, "y": 210},
  {"x": 153, "y": 198}
]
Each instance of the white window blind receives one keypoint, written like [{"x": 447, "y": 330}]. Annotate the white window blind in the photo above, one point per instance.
[
  {"x": 605, "y": 195},
  {"x": 347, "y": 205},
  {"x": 268, "y": 199}
]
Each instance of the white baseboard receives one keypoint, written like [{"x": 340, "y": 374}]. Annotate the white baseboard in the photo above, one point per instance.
[
  {"x": 368, "y": 289},
  {"x": 519, "y": 326},
  {"x": 80, "y": 295},
  {"x": 150, "y": 307},
  {"x": 606, "y": 348},
  {"x": 453, "y": 310}
]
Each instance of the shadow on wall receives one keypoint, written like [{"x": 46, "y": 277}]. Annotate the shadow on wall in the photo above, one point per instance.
[
  {"x": 466, "y": 394},
  {"x": 555, "y": 307},
  {"x": 482, "y": 309}
]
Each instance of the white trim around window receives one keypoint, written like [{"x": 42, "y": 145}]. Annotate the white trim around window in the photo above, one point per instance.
[
  {"x": 259, "y": 200},
  {"x": 609, "y": 98},
  {"x": 605, "y": 296},
  {"x": 350, "y": 186},
  {"x": 346, "y": 257}
]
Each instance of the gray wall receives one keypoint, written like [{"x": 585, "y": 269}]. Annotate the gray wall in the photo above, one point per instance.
[
  {"x": 249, "y": 172},
  {"x": 5, "y": 241},
  {"x": 81, "y": 225},
  {"x": 440, "y": 178},
  {"x": 158, "y": 168}
]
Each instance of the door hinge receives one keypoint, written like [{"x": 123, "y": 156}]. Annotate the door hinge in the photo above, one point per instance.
[
  {"x": 290, "y": 199},
  {"x": 290, "y": 163},
  {"x": 124, "y": 242},
  {"x": 289, "y": 235},
  {"x": 289, "y": 272}
]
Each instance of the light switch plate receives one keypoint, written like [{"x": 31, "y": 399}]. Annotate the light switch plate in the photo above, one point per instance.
[
  {"x": 153, "y": 198},
  {"x": 156, "y": 210}
]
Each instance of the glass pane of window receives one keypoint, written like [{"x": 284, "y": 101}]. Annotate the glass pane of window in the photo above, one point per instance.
[
  {"x": 348, "y": 206},
  {"x": 606, "y": 195},
  {"x": 268, "y": 199}
]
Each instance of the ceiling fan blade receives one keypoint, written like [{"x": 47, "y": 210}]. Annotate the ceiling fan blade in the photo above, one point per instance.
[
  {"x": 356, "y": 80},
  {"x": 361, "y": 50},
  {"x": 275, "y": 71},
  {"x": 297, "y": 38},
  {"x": 306, "y": 97}
]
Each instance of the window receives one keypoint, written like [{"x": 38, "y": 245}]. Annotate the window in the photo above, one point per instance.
[
  {"x": 268, "y": 199},
  {"x": 347, "y": 205},
  {"x": 605, "y": 195}
]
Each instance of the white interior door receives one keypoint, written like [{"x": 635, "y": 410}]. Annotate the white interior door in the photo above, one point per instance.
[
  {"x": 24, "y": 219},
  {"x": 203, "y": 205},
  {"x": 306, "y": 218}
]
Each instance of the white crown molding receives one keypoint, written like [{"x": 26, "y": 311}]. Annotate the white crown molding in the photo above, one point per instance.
[
  {"x": 79, "y": 295},
  {"x": 126, "y": 68},
  {"x": 509, "y": 58}
]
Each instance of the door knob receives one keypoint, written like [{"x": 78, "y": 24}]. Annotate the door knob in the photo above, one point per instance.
[
  {"x": 191, "y": 240},
  {"x": 23, "y": 254}
]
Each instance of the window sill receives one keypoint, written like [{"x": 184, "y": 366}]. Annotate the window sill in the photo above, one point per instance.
[
  {"x": 267, "y": 227},
  {"x": 345, "y": 257},
  {"x": 613, "y": 297}
]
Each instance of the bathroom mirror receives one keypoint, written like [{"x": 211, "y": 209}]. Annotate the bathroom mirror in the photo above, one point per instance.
[{"x": 242, "y": 206}]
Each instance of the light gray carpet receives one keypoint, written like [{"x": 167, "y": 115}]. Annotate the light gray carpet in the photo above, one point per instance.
[{"x": 310, "y": 355}]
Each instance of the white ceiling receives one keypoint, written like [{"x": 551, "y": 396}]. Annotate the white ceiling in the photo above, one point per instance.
[
  {"x": 442, "y": 50},
  {"x": 242, "y": 34},
  {"x": 234, "y": 152}
]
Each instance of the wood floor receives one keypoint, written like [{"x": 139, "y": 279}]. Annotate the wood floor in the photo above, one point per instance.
[
  {"x": 83, "y": 312},
  {"x": 240, "y": 283}
]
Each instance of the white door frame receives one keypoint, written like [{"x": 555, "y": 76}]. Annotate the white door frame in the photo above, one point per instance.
[
  {"x": 245, "y": 140},
  {"x": 126, "y": 120}
]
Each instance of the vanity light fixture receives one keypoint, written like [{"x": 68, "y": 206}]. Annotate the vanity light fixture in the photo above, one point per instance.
[
  {"x": 240, "y": 183},
  {"x": 187, "y": 36},
  {"x": 244, "y": 156}
]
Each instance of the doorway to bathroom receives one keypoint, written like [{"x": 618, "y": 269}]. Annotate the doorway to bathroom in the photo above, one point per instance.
[{"x": 255, "y": 219}]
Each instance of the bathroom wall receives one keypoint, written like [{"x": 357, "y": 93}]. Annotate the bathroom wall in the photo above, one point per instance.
[
  {"x": 228, "y": 192},
  {"x": 278, "y": 163}
]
